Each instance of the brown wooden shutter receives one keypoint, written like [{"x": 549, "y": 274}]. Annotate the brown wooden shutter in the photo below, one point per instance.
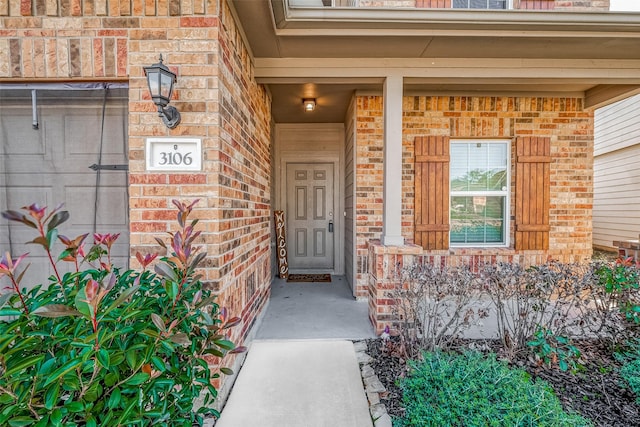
[
  {"x": 536, "y": 4},
  {"x": 432, "y": 192},
  {"x": 532, "y": 193},
  {"x": 434, "y": 4}
]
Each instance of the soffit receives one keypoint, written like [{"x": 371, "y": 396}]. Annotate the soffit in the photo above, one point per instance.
[
  {"x": 277, "y": 31},
  {"x": 332, "y": 101},
  {"x": 458, "y": 47}
]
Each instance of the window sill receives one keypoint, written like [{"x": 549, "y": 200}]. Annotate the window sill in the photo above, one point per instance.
[{"x": 479, "y": 250}]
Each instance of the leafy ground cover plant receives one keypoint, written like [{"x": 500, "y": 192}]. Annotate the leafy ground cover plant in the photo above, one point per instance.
[
  {"x": 629, "y": 357},
  {"x": 554, "y": 350},
  {"x": 630, "y": 373},
  {"x": 472, "y": 389},
  {"x": 101, "y": 346}
]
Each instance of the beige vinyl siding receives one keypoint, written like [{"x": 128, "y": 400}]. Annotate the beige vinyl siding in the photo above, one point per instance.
[
  {"x": 616, "y": 202},
  {"x": 349, "y": 192},
  {"x": 617, "y": 126}
]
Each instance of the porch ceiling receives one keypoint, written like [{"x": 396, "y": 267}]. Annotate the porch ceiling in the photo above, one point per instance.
[{"x": 330, "y": 53}]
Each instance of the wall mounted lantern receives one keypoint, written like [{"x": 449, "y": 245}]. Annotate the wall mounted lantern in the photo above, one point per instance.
[
  {"x": 161, "y": 80},
  {"x": 309, "y": 104}
]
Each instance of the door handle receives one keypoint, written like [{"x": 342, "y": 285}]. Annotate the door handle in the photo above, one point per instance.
[{"x": 331, "y": 226}]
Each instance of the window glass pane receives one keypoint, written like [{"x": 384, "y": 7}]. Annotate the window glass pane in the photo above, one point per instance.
[
  {"x": 477, "y": 173},
  {"x": 478, "y": 167},
  {"x": 459, "y": 167},
  {"x": 497, "y": 167},
  {"x": 479, "y": 4},
  {"x": 477, "y": 219}
]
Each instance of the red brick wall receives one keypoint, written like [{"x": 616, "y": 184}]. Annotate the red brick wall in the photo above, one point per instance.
[
  {"x": 562, "y": 119},
  {"x": 101, "y": 40},
  {"x": 583, "y": 5},
  {"x": 433, "y": 3},
  {"x": 534, "y": 4},
  {"x": 369, "y": 181},
  {"x": 243, "y": 225}
]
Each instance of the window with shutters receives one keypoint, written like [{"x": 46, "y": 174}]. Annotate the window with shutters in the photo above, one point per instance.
[{"x": 479, "y": 193}]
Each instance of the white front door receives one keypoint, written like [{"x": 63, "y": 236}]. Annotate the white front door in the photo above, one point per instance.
[{"x": 310, "y": 216}]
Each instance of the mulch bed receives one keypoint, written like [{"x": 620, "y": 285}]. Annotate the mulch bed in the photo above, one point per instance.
[{"x": 596, "y": 392}]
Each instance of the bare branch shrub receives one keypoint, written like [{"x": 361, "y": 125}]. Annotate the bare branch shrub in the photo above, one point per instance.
[
  {"x": 554, "y": 296},
  {"x": 434, "y": 305}
]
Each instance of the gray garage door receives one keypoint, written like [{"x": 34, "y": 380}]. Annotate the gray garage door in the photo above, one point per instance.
[{"x": 47, "y": 145}]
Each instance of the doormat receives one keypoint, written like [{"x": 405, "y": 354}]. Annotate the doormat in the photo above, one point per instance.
[{"x": 309, "y": 278}]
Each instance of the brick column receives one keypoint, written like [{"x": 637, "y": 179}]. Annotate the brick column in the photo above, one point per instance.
[{"x": 385, "y": 275}]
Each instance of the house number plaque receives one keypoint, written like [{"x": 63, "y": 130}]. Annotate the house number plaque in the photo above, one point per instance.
[{"x": 174, "y": 154}]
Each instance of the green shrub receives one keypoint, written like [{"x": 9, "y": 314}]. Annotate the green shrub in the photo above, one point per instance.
[
  {"x": 629, "y": 357},
  {"x": 630, "y": 373},
  {"x": 554, "y": 349},
  {"x": 104, "y": 347},
  {"x": 619, "y": 284},
  {"x": 475, "y": 390}
]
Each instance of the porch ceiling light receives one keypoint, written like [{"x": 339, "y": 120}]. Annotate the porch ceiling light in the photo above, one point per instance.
[
  {"x": 309, "y": 104},
  {"x": 161, "y": 80}
]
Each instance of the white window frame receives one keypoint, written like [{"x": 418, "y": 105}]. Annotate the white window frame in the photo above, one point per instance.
[
  {"x": 509, "y": 6},
  {"x": 506, "y": 193}
]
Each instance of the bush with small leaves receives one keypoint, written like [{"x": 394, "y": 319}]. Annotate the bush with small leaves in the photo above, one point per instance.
[
  {"x": 100, "y": 346},
  {"x": 471, "y": 389},
  {"x": 554, "y": 350},
  {"x": 616, "y": 294}
]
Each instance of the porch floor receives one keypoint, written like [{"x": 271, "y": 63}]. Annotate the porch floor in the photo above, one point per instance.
[{"x": 315, "y": 311}]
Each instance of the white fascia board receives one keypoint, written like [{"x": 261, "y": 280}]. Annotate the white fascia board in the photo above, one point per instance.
[
  {"x": 490, "y": 70},
  {"x": 390, "y": 21}
]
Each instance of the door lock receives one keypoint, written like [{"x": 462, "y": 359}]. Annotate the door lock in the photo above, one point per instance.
[{"x": 330, "y": 226}]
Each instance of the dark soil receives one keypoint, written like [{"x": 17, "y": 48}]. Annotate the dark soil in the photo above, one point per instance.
[{"x": 595, "y": 391}]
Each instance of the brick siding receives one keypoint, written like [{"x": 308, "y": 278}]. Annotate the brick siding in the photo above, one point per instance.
[
  {"x": 73, "y": 40},
  {"x": 244, "y": 180},
  {"x": 564, "y": 120},
  {"x": 369, "y": 182},
  {"x": 583, "y": 5}
]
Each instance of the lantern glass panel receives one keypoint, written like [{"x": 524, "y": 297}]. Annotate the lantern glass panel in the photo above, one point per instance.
[
  {"x": 152, "y": 79},
  {"x": 166, "y": 83}
]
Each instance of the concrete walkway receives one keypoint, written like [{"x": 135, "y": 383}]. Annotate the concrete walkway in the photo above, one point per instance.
[
  {"x": 303, "y": 383},
  {"x": 315, "y": 311}
]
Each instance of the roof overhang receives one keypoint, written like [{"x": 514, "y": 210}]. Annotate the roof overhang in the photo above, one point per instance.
[
  {"x": 386, "y": 21},
  {"x": 590, "y": 55}
]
